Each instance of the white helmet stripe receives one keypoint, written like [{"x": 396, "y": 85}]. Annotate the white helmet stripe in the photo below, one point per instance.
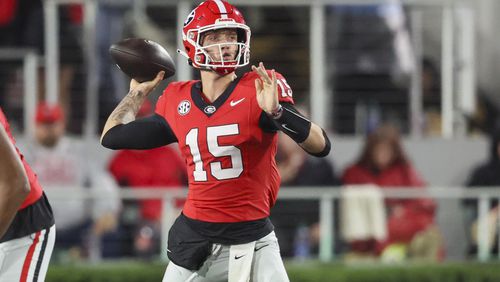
[{"x": 222, "y": 9}]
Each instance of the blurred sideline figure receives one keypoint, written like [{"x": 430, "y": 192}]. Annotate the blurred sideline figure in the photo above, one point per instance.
[
  {"x": 21, "y": 26},
  {"x": 487, "y": 174},
  {"x": 14, "y": 185},
  {"x": 412, "y": 232},
  {"x": 300, "y": 238},
  {"x": 61, "y": 166},
  {"x": 26, "y": 239},
  {"x": 431, "y": 94},
  {"x": 160, "y": 168},
  {"x": 373, "y": 61},
  {"x": 226, "y": 127}
]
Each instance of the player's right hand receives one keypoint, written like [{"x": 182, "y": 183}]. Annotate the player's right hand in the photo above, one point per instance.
[
  {"x": 267, "y": 89},
  {"x": 146, "y": 87}
]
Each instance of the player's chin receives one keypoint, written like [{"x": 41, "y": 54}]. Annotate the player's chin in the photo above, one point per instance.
[
  {"x": 226, "y": 61},
  {"x": 229, "y": 59}
]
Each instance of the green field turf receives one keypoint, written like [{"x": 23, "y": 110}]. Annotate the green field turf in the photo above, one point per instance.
[{"x": 298, "y": 272}]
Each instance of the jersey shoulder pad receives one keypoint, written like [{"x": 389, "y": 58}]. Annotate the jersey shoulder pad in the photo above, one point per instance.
[
  {"x": 173, "y": 91},
  {"x": 176, "y": 86},
  {"x": 284, "y": 90}
]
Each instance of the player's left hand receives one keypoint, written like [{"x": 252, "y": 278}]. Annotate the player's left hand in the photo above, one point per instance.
[{"x": 267, "y": 89}]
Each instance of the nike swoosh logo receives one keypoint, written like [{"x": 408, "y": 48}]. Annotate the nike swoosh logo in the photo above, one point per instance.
[
  {"x": 287, "y": 128},
  {"x": 256, "y": 249},
  {"x": 234, "y": 103},
  {"x": 238, "y": 257}
]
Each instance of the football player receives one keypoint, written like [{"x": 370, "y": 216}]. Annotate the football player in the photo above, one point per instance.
[
  {"x": 226, "y": 127},
  {"x": 14, "y": 185},
  {"x": 27, "y": 244}
]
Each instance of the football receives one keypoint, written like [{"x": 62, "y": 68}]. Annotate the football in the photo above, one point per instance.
[{"x": 141, "y": 59}]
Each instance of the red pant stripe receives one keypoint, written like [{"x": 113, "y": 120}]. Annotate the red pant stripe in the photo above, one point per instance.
[{"x": 28, "y": 259}]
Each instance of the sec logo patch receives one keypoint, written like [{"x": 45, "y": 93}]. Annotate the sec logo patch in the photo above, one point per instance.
[{"x": 184, "y": 107}]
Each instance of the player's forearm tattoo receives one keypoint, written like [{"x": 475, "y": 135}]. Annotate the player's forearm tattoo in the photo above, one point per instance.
[{"x": 128, "y": 108}]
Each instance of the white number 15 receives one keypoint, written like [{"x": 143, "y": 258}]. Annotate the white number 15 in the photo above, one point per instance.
[{"x": 216, "y": 150}]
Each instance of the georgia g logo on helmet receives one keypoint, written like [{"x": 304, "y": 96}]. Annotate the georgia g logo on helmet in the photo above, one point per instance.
[
  {"x": 213, "y": 15},
  {"x": 190, "y": 17}
]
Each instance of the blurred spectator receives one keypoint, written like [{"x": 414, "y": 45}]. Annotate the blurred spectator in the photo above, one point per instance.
[
  {"x": 160, "y": 168},
  {"x": 22, "y": 26},
  {"x": 487, "y": 114},
  {"x": 111, "y": 81},
  {"x": 125, "y": 19},
  {"x": 299, "y": 237},
  {"x": 63, "y": 168},
  {"x": 372, "y": 60},
  {"x": 487, "y": 174},
  {"x": 290, "y": 30},
  {"x": 431, "y": 94},
  {"x": 411, "y": 225}
]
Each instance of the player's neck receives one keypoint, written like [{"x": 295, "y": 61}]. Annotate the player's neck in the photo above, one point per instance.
[{"x": 213, "y": 85}]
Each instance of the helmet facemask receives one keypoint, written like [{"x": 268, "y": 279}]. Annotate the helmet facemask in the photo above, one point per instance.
[{"x": 204, "y": 60}]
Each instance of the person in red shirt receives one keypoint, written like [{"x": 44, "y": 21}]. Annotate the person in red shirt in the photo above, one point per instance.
[
  {"x": 226, "y": 128},
  {"x": 384, "y": 163},
  {"x": 140, "y": 169},
  {"x": 156, "y": 168},
  {"x": 26, "y": 246}
]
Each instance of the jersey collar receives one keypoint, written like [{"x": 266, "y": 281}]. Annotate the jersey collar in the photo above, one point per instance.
[{"x": 210, "y": 109}]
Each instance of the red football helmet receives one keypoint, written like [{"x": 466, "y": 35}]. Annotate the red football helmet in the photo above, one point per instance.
[{"x": 209, "y": 16}]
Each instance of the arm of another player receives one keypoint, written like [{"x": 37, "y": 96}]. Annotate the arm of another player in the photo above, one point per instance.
[
  {"x": 14, "y": 184},
  {"x": 128, "y": 108},
  {"x": 307, "y": 134}
]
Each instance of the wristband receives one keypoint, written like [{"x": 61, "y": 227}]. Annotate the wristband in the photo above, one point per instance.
[{"x": 276, "y": 113}]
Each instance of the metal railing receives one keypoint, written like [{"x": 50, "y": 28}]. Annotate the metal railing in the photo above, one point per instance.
[{"x": 326, "y": 196}]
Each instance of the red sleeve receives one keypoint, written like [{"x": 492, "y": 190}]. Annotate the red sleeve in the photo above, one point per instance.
[
  {"x": 426, "y": 205},
  {"x": 161, "y": 103},
  {"x": 356, "y": 175},
  {"x": 414, "y": 179},
  {"x": 115, "y": 165},
  {"x": 284, "y": 90},
  {"x": 5, "y": 125},
  {"x": 347, "y": 176}
]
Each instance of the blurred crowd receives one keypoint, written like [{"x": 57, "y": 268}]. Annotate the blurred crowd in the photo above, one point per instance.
[
  {"x": 373, "y": 60},
  {"x": 369, "y": 61}
]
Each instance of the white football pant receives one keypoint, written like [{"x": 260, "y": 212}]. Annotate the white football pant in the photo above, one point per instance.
[{"x": 258, "y": 261}]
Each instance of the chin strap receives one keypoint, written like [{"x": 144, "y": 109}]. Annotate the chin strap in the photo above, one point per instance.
[
  {"x": 190, "y": 62},
  {"x": 183, "y": 53}
]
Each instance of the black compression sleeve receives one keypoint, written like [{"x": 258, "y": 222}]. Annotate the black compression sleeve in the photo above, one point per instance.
[
  {"x": 268, "y": 124},
  {"x": 327, "y": 148},
  {"x": 145, "y": 133},
  {"x": 293, "y": 124}
]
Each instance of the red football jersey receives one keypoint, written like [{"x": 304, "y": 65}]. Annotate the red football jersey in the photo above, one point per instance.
[
  {"x": 230, "y": 160},
  {"x": 36, "y": 189}
]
